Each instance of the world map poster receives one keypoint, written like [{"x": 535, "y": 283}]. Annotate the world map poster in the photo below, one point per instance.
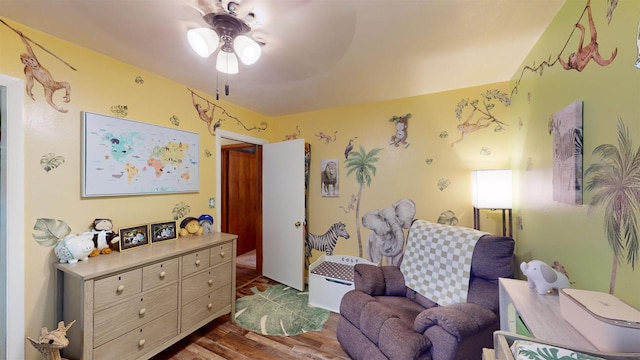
[{"x": 125, "y": 157}]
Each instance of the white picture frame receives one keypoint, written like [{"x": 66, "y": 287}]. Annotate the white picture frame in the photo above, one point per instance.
[{"x": 123, "y": 157}]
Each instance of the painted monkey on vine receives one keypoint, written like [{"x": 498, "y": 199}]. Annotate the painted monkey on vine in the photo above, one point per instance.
[
  {"x": 33, "y": 69},
  {"x": 579, "y": 60}
]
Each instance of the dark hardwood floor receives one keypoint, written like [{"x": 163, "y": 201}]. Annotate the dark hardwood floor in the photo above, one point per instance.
[{"x": 223, "y": 339}]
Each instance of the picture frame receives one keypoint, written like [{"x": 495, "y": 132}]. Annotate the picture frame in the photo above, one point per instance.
[
  {"x": 329, "y": 180},
  {"x": 567, "y": 131},
  {"x": 162, "y": 231},
  {"x": 133, "y": 237},
  {"x": 122, "y": 157}
]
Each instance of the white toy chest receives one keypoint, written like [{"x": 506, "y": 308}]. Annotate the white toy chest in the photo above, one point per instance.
[
  {"x": 330, "y": 277},
  {"x": 607, "y": 322}
]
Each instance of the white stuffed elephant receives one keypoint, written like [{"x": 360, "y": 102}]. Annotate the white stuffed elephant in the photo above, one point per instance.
[
  {"x": 543, "y": 277},
  {"x": 387, "y": 237}
]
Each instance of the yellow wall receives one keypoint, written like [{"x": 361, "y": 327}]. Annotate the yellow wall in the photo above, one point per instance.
[
  {"x": 99, "y": 83},
  {"x": 401, "y": 172},
  {"x": 552, "y": 231}
]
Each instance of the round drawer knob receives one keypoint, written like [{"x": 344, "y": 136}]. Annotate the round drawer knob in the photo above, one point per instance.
[
  {"x": 142, "y": 311},
  {"x": 222, "y": 254},
  {"x": 197, "y": 262},
  {"x": 210, "y": 282},
  {"x": 209, "y": 306},
  {"x": 163, "y": 274},
  {"x": 141, "y": 343},
  {"x": 120, "y": 288}
]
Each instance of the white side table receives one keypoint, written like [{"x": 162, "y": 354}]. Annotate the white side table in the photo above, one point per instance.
[{"x": 539, "y": 313}]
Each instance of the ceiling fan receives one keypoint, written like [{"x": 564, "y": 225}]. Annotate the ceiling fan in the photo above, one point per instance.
[{"x": 228, "y": 32}]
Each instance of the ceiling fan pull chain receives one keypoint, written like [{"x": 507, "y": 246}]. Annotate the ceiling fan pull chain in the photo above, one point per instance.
[{"x": 217, "y": 92}]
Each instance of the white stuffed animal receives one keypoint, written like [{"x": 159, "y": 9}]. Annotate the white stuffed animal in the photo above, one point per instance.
[
  {"x": 543, "y": 277},
  {"x": 74, "y": 247}
]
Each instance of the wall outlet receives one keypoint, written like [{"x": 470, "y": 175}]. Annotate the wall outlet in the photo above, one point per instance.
[{"x": 212, "y": 202}]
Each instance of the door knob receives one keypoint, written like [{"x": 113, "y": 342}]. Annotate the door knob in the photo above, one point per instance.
[{"x": 297, "y": 224}]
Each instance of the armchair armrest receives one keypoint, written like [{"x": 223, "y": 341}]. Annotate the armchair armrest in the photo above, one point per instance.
[
  {"x": 377, "y": 280},
  {"x": 459, "y": 320}
]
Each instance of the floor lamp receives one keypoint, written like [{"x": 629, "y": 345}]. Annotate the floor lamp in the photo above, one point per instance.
[{"x": 491, "y": 189}]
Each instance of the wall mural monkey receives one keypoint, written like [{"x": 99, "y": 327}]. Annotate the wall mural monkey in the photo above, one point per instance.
[
  {"x": 481, "y": 115},
  {"x": 207, "y": 117},
  {"x": 578, "y": 60},
  {"x": 204, "y": 116},
  {"x": 401, "y": 124},
  {"x": 293, "y": 135},
  {"x": 34, "y": 70},
  {"x": 326, "y": 138}
]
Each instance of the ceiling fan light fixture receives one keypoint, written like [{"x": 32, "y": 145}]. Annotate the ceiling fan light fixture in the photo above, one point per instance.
[
  {"x": 227, "y": 62},
  {"x": 204, "y": 41},
  {"x": 248, "y": 50}
]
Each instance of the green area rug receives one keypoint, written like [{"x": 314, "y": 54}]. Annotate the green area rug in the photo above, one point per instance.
[{"x": 279, "y": 310}]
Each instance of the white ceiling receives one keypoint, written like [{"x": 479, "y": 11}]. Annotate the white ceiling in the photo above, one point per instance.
[{"x": 318, "y": 53}]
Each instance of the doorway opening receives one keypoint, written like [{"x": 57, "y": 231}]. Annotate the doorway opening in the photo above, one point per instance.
[
  {"x": 241, "y": 199},
  {"x": 239, "y": 195},
  {"x": 12, "y": 236}
]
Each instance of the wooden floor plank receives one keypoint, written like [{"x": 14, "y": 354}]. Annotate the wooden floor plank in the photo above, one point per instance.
[{"x": 224, "y": 339}]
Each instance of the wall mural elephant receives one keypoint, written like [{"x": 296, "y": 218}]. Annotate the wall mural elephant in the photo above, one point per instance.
[{"x": 387, "y": 236}]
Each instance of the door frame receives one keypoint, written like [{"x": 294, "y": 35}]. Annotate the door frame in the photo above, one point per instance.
[
  {"x": 12, "y": 221},
  {"x": 256, "y": 155},
  {"x": 223, "y": 136}
]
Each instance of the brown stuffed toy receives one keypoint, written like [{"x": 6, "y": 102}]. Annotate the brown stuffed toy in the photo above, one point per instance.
[{"x": 190, "y": 226}]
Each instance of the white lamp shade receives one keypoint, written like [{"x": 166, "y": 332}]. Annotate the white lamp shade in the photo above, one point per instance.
[
  {"x": 204, "y": 41},
  {"x": 247, "y": 49},
  {"x": 227, "y": 62},
  {"x": 491, "y": 189}
]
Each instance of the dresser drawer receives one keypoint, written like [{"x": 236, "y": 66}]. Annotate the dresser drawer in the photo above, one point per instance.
[
  {"x": 205, "y": 306},
  {"x": 202, "y": 283},
  {"x": 159, "y": 274},
  {"x": 117, "y": 287},
  {"x": 116, "y": 320},
  {"x": 141, "y": 340},
  {"x": 221, "y": 253},
  {"x": 195, "y": 262}
]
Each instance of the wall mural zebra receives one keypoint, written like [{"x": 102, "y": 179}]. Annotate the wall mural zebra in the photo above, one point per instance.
[
  {"x": 567, "y": 154},
  {"x": 325, "y": 242}
]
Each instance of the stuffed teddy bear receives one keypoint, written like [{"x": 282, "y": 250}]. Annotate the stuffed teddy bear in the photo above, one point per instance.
[
  {"x": 190, "y": 226},
  {"x": 103, "y": 236}
]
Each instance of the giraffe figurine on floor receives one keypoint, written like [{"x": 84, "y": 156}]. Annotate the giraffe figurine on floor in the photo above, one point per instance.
[{"x": 50, "y": 342}]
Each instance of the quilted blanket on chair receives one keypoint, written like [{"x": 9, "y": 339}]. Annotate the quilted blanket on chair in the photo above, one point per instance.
[{"x": 437, "y": 261}]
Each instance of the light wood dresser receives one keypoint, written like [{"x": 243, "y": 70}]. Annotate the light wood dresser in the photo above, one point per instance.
[{"x": 134, "y": 304}]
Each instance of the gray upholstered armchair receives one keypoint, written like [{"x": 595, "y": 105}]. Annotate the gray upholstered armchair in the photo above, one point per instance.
[{"x": 384, "y": 319}]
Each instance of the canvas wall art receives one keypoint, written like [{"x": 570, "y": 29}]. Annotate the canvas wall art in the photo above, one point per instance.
[
  {"x": 125, "y": 157},
  {"x": 567, "y": 154},
  {"x": 329, "y": 177}
]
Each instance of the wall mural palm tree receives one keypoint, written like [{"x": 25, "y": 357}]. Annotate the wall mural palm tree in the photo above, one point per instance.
[
  {"x": 616, "y": 182},
  {"x": 361, "y": 163}
]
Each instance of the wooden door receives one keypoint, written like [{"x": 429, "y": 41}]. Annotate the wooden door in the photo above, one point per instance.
[
  {"x": 241, "y": 201},
  {"x": 283, "y": 214}
]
